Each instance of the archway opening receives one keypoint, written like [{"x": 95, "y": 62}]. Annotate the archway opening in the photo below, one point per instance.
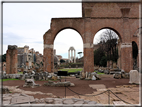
[
  {"x": 67, "y": 44},
  {"x": 135, "y": 54},
  {"x": 106, "y": 48}
]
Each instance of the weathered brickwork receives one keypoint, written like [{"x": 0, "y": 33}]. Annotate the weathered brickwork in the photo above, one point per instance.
[
  {"x": 11, "y": 59},
  {"x": 123, "y": 18}
]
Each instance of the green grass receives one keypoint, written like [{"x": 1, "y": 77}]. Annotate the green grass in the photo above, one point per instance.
[
  {"x": 79, "y": 69},
  {"x": 99, "y": 72},
  {"x": 20, "y": 73},
  {"x": 8, "y": 79},
  {"x": 71, "y": 70}
]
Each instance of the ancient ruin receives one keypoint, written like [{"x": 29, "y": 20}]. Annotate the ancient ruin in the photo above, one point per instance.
[
  {"x": 26, "y": 57},
  {"x": 11, "y": 59},
  {"x": 123, "y": 18},
  {"x": 72, "y": 58}
]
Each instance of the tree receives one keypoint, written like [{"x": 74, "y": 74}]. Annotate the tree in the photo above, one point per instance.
[
  {"x": 108, "y": 44},
  {"x": 103, "y": 61},
  {"x": 62, "y": 61},
  {"x": 4, "y": 58},
  {"x": 98, "y": 55}
]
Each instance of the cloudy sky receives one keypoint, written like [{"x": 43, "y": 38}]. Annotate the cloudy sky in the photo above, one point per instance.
[{"x": 26, "y": 23}]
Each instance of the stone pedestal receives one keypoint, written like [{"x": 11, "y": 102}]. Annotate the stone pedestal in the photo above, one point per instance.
[{"x": 134, "y": 76}]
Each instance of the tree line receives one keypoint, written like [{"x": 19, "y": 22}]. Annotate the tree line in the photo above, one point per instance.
[{"x": 108, "y": 48}]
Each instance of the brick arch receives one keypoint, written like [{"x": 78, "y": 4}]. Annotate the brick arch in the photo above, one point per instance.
[
  {"x": 110, "y": 29},
  {"x": 119, "y": 44},
  {"x": 54, "y": 36},
  {"x": 59, "y": 24}
]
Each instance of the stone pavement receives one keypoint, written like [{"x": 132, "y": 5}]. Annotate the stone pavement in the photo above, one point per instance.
[
  {"x": 23, "y": 99},
  {"x": 128, "y": 93}
]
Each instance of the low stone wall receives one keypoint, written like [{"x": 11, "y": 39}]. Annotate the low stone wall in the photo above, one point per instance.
[{"x": 12, "y": 76}]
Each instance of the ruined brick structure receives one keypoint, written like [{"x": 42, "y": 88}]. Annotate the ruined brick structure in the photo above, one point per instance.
[
  {"x": 11, "y": 59},
  {"x": 32, "y": 56},
  {"x": 123, "y": 18}
]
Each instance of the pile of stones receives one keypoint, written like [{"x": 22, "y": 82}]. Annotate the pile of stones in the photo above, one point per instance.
[
  {"x": 89, "y": 76},
  {"x": 121, "y": 74},
  {"x": 30, "y": 83},
  {"x": 41, "y": 76},
  {"x": 59, "y": 84}
]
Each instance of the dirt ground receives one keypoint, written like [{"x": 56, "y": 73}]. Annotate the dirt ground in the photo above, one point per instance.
[{"x": 81, "y": 86}]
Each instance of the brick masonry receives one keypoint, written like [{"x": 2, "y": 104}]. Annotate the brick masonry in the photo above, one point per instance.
[{"x": 123, "y": 18}]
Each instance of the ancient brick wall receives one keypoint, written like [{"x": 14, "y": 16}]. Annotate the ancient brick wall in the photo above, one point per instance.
[{"x": 123, "y": 18}]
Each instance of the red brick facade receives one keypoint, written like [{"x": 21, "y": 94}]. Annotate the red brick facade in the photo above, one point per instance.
[{"x": 123, "y": 18}]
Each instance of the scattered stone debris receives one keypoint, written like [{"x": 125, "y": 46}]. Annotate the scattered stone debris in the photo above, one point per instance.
[
  {"x": 59, "y": 84},
  {"x": 5, "y": 90},
  {"x": 30, "y": 83}
]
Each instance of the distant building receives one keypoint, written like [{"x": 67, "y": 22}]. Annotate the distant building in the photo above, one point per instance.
[
  {"x": 25, "y": 55},
  {"x": 59, "y": 57}
]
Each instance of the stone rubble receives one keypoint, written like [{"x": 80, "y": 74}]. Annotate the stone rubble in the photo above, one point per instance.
[
  {"x": 59, "y": 84},
  {"x": 30, "y": 83}
]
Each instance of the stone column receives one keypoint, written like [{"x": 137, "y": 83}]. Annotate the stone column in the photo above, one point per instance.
[
  {"x": 27, "y": 65},
  {"x": 69, "y": 55},
  {"x": 11, "y": 59},
  {"x": 74, "y": 56}
]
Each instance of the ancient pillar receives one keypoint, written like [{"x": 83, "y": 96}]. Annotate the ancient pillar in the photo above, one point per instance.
[
  {"x": 48, "y": 53},
  {"x": 74, "y": 56},
  {"x": 126, "y": 46},
  {"x": 88, "y": 58},
  {"x": 88, "y": 47},
  {"x": 11, "y": 59},
  {"x": 69, "y": 55},
  {"x": 48, "y": 58}
]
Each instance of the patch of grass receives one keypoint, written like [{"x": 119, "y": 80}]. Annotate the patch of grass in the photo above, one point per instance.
[
  {"x": 8, "y": 79},
  {"x": 79, "y": 69},
  {"x": 98, "y": 72},
  {"x": 71, "y": 70},
  {"x": 20, "y": 73}
]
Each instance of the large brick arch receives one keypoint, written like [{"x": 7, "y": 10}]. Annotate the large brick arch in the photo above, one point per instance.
[
  {"x": 111, "y": 28},
  {"x": 59, "y": 24},
  {"x": 120, "y": 17}
]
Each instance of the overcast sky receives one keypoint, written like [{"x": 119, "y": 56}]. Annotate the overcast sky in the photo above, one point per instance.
[{"x": 26, "y": 23}]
